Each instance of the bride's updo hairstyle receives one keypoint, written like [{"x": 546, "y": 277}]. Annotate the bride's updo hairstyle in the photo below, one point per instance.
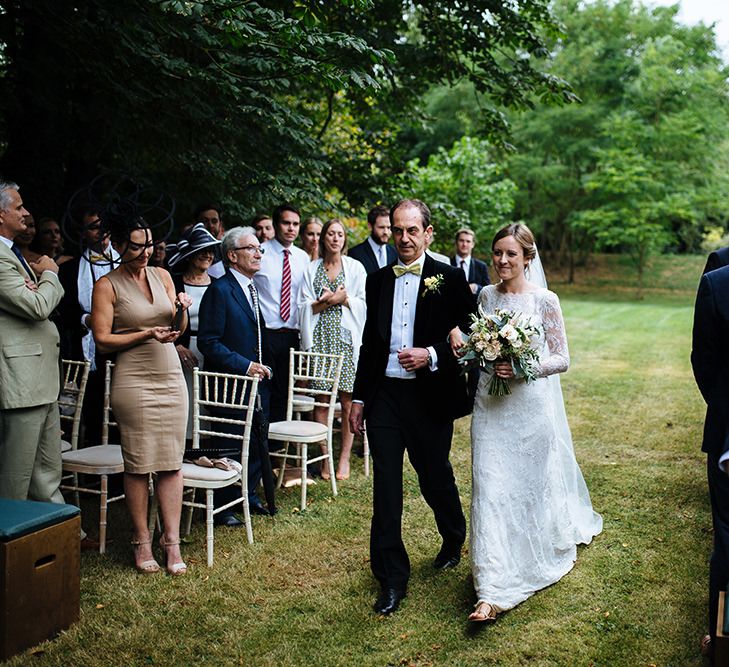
[{"x": 523, "y": 236}]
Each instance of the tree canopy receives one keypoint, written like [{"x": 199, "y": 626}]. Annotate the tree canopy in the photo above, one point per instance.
[{"x": 249, "y": 102}]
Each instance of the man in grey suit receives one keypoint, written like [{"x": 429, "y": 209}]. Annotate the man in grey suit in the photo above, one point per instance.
[{"x": 30, "y": 429}]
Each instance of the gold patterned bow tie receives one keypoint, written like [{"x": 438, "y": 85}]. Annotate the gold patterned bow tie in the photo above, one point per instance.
[
  {"x": 415, "y": 269},
  {"x": 98, "y": 259}
]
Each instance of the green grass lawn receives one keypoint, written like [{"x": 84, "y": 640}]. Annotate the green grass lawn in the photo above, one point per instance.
[{"x": 302, "y": 594}]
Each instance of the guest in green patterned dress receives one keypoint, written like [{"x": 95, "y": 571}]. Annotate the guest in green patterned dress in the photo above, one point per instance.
[{"x": 332, "y": 309}]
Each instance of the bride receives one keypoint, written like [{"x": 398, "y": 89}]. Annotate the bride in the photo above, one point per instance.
[{"x": 530, "y": 505}]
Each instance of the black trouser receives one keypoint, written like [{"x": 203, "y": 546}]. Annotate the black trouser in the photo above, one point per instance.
[
  {"x": 398, "y": 421},
  {"x": 279, "y": 343},
  {"x": 719, "y": 563}
]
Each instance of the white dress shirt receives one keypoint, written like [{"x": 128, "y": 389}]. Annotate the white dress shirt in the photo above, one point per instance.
[
  {"x": 404, "y": 302},
  {"x": 244, "y": 281},
  {"x": 466, "y": 266},
  {"x": 268, "y": 283},
  {"x": 380, "y": 252},
  {"x": 88, "y": 274}
]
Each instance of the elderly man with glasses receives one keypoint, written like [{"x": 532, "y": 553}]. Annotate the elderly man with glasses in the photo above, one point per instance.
[{"x": 232, "y": 338}]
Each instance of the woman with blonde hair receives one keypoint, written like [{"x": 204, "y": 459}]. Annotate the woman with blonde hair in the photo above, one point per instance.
[{"x": 332, "y": 308}]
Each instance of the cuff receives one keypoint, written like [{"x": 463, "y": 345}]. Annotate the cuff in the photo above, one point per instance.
[
  {"x": 433, "y": 358},
  {"x": 722, "y": 460}
]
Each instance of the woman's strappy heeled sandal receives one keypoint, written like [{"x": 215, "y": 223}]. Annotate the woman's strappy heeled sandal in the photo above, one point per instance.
[
  {"x": 150, "y": 566},
  {"x": 176, "y": 569}
]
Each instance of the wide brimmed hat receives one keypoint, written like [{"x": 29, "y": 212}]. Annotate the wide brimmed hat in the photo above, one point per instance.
[{"x": 193, "y": 240}]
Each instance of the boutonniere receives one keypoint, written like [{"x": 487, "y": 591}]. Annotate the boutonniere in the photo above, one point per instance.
[{"x": 433, "y": 284}]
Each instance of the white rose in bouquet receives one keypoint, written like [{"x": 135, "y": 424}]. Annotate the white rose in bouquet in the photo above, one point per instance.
[{"x": 509, "y": 333}]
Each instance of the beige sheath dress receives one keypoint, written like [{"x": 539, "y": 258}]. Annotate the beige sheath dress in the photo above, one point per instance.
[{"x": 148, "y": 392}]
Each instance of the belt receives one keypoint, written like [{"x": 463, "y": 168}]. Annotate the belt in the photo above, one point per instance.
[{"x": 283, "y": 330}]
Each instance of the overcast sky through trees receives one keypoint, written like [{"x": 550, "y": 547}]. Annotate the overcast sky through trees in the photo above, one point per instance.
[{"x": 707, "y": 12}]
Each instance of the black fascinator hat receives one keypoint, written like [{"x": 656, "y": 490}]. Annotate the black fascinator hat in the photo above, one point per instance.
[{"x": 194, "y": 239}]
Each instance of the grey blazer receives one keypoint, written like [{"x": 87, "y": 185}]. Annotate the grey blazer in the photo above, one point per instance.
[{"x": 29, "y": 341}]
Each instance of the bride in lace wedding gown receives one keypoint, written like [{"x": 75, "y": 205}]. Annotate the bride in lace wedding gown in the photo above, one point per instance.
[{"x": 530, "y": 504}]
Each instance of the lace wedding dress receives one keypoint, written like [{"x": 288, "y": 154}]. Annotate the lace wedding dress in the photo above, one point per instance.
[{"x": 530, "y": 505}]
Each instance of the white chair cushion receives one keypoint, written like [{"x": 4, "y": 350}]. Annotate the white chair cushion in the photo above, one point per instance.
[
  {"x": 293, "y": 430},
  {"x": 65, "y": 446},
  {"x": 190, "y": 471},
  {"x": 100, "y": 456}
]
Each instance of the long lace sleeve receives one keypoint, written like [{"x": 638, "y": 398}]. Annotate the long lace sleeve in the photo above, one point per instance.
[{"x": 556, "y": 358}]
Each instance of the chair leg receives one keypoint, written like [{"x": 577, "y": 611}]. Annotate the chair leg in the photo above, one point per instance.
[
  {"x": 282, "y": 468},
  {"x": 304, "y": 450},
  {"x": 247, "y": 518},
  {"x": 103, "y": 499},
  {"x": 190, "y": 510},
  {"x": 76, "y": 498},
  {"x": 209, "y": 524},
  {"x": 332, "y": 469},
  {"x": 153, "y": 518}
]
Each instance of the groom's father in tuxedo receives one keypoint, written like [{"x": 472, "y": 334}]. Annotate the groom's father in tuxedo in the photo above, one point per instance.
[
  {"x": 710, "y": 361},
  {"x": 30, "y": 428},
  {"x": 409, "y": 390}
]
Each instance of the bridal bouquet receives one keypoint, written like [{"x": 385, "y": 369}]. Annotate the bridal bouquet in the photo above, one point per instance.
[{"x": 503, "y": 335}]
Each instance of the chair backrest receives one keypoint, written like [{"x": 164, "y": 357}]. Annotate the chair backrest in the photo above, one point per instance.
[
  {"x": 218, "y": 392},
  {"x": 314, "y": 374},
  {"x": 74, "y": 376},
  {"x": 108, "y": 416}
]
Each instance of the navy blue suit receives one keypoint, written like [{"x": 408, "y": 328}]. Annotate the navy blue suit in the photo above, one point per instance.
[
  {"x": 227, "y": 339},
  {"x": 717, "y": 259},
  {"x": 363, "y": 253},
  {"x": 710, "y": 362},
  {"x": 478, "y": 272}
]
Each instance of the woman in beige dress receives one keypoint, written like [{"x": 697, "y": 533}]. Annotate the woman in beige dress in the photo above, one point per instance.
[{"x": 132, "y": 313}]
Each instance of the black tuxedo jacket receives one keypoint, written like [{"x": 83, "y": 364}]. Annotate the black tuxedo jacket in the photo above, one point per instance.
[
  {"x": 710, "y": 357},
  {"x": 717, "y": 259},
  {"x": 363, "y": 253},
  {"x": 478, "y": 271},
  {"x": 436, "y": 313}
]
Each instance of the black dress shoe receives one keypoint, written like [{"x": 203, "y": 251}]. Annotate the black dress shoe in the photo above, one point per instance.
[
  {"x": 389, "y": 601},
  {"x": 447, "y": 558},
  {"x": 228, "y": 520},
  {"x": 259, "y": 508}
]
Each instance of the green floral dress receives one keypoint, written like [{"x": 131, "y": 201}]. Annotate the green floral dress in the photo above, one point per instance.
[{"x": 329, "y": 336}]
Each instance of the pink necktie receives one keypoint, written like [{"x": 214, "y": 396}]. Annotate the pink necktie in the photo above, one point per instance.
[{"x": 286, "y": 287}]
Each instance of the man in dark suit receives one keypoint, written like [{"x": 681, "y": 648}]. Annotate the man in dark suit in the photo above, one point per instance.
[
  {"x": 476, "y": 271},
  {"x": 710, "y": 362},
  {"x": 717, "y": 259},
  {"x": 375, "y": 252},
  {"x": 231, "y": 337},
  {"x": 409, "y": 390},
  {"x": 78, "y": 277}
]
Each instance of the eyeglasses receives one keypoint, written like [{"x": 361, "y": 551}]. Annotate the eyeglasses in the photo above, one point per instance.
[{"x": 252, "y": 249}]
